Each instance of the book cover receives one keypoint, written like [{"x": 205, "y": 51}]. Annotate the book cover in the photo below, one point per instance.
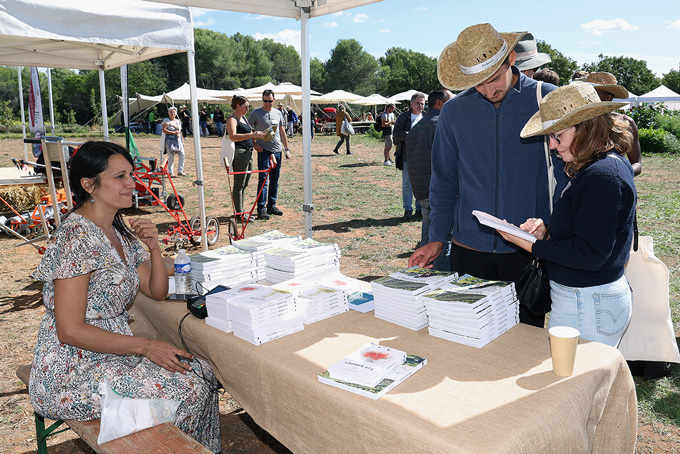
[{"x": 368, "y": 365}]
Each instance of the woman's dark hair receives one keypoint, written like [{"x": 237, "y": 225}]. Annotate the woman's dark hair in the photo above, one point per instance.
[
  {"x": 90, "y": 161},
  {"x": 238, "y": 100}
]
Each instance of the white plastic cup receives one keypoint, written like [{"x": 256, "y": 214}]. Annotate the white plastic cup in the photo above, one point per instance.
[{"x": 563, "y": 342}]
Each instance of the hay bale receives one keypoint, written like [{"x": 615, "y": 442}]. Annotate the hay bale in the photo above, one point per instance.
[{"x": 21, "y": 197}]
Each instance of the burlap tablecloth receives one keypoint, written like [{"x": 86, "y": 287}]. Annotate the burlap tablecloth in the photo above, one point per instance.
[{"x": 503, "y": 398}]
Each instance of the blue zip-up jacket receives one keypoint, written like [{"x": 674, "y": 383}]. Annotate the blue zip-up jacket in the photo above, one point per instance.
[{"x": 479, "y": 162}]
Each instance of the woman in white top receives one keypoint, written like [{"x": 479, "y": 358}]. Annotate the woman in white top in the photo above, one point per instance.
[{"x": 172, "y": 142}]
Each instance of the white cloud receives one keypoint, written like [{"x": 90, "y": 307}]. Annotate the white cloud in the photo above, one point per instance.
[
  {"x": 204, "y": 23},
  {"x": 384, "y": 30},
  {"x": 339, "y": 13},
  {"x": 256, "y": 17},
  {"x": 422, "y": 8},
  {"x": 330, "y": 24},
  {"x": 361, "y": 17},
  {"x": 288, "y": 37},
  {"x": 600, "y": 27},
  {"x": 200, "y": 12},
  {"x": 675, "y": 25}
]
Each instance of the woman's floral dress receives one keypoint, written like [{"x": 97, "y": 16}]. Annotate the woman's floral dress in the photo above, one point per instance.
[{"x": 65, "y": 379}]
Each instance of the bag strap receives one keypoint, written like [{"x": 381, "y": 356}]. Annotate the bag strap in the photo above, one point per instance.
[{"x": 548, "y": 161}]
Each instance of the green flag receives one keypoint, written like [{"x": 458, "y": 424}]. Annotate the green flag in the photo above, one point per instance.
[{"x": 134, "y": 152}]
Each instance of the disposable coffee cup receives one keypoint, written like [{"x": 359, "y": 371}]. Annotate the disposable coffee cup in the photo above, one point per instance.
[{"x": 563, "y": 341}]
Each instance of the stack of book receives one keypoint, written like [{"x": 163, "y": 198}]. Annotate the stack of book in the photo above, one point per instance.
[
  {"x": 264, "y": 314},
  {"x": 398, "y": 296},
  {"x": 359, "y": 293},
  {"x": 472, "y": 311},
  {"x": 372, "y": 371},
  {"x": 303, "y": 258},
  {"x": 216, "y": 304},
  {"x": 260, "y": 243},
  {"x": 227, "y": 266}
]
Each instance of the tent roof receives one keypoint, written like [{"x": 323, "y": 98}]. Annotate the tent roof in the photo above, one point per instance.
[
  {"x": 284, "y": 88},
  {"x": 183, "y": 95},
  {"x": 403, "y": 96},
  {"x": 79, "y": 34},
  {"x": 337, "y": 96},
  {"x": 279, "y": 8},
  {"x": 372, "y": 100},
  {"x": 661, "y": 91}
]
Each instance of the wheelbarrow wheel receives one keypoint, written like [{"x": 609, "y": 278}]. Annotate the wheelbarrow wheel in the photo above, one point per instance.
[
  {"x": 212, "y": 227},
  {"x": 173, "y": 203},
  {"x": 233, "y": 230}
]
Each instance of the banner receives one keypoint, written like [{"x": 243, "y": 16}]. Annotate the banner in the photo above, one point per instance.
[{"x": 35, "y": 113}]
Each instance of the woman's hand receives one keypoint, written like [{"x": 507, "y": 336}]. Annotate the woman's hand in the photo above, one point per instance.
[
  {"x": 257, "y": 134},
  {"x": 167, "y": 356},
  {"x": 272, "y": 161},
  {"x": 146, "y": 231},
  {"x": 536, "y": 227}
]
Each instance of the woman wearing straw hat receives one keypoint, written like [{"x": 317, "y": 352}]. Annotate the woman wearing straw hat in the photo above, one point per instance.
[{"x": 591, "y": 227}]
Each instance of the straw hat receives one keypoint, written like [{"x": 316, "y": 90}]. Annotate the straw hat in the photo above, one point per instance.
[
  {"x": 606, "y": 82},
  {"x": 567, "y": 106},
  {"x": 528, "y": 56},
  {"x": 475, "y": 56}
]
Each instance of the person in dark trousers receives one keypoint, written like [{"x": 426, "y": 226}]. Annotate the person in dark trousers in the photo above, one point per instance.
[{"x": 185, "y": 118}]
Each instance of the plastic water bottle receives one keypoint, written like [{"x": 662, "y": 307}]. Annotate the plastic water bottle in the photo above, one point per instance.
[{"x": 182, "y": 273}]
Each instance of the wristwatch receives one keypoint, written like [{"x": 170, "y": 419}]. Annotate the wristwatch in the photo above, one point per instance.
[{"x": 287, "y": 149}]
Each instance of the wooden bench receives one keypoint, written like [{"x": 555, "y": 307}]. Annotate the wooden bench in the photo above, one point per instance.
[{"x": 162, "y": 439}]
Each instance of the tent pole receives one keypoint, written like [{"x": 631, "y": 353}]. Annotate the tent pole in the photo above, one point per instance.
[
  {"x": 197, "y": 144},
  {"x": 49, "y": 89},
  {"x": 23, "y": 115},
  {"x": 102, "y": 94},
  {"x": 306, "y": 111}
]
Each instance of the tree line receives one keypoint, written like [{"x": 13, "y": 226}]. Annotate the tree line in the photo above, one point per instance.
[{"x": 228, "y": 62}]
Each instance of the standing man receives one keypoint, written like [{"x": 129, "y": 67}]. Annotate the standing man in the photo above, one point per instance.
[
  {"x": 218, "y": 117},
  {"x": 387, "y": 120},
  {"x": 185, "y": 118},
  {"x": 479, "y": 161},
  {"x": 292, "y": 119},
  {"x": 269, "y": 151},
  {"x": 418, "y": 154},
  {"x": 405, "y": 121},
  {"x": 527, "y": 57},
  {"x": 152, "y": 121},
  {"x": 203, "y": 121}
]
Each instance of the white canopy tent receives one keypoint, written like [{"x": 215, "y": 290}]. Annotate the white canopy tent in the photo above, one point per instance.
[
  {"x": 182, "y": 95},
  {"x": 660, "y": 94},
  {"x": 403, "y": 96},
  {"x": 372, "y": 100},
  {"x": 337, "y": 96},
  {"x": 301, "y": 10},
  {"x": 82, "y": 34}
]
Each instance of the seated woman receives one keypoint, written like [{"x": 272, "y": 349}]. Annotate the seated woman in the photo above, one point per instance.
[
  {"x": 591, "y": 227},
  {"x": 92, "y": 270}
]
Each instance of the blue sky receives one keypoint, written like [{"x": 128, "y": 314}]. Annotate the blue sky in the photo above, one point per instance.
[{"x": 646, "y": 30}]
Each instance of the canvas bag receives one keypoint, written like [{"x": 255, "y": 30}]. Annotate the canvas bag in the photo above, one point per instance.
[
  {"x": 650, "y": 335},
  {"x": 227, "y": 150},
  {"x": 172, "y": 142},
  {"x": 346, "y": 129}
]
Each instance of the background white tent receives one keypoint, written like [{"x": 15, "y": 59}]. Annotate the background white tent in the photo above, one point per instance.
[
  {"x": 301, "y": 10},
  {"x": 84, "y": 35},
  {"x": 403, "y": 96},
  {"x": 660, "y": 94},
  {"x": 372, "y": 100},
  {"x": 337, "y": 96},
  {"x": 182, "y": 95}
]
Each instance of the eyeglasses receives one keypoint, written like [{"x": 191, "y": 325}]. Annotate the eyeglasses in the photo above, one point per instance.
[
  {"x": 247, "y": 106},
  {"x": 555, "y": 137},
  {"x": 268, "y": 101}
]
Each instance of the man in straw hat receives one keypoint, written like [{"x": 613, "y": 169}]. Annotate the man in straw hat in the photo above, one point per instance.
[
  {"x": 479, "y": 161},
  {"x": 591, "y": 228},
  {"x": 528, "y": 58},
  {"x": 607, "y": 89}
]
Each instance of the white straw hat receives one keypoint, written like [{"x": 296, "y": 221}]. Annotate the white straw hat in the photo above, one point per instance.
[
  {"x": 528, "y": 56},
  {"x": 477, "y": 53},
  {"x": 606, "y": 82},
  {"x": 567, "y": 106}
]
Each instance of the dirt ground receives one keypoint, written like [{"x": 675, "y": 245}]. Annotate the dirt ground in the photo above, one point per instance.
[{"x": 368, "y": 228}]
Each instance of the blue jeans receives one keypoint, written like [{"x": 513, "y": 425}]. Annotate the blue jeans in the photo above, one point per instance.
[
  {"x": 219, "y": 125},
  {"x": 441, "y": 263},
  {"x": 406, "y": 192},
  {"x": 601, "y": 312},
  {"x": 273, "y": 184}
]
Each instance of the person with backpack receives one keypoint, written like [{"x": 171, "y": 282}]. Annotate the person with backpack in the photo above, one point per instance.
[{"x": 384, "y": 124}]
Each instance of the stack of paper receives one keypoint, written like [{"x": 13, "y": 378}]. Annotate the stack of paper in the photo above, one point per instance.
[
  {"x": 398, "y": 296},
  {"x": 359, "y": 293},
  {"x": 216, "y": 304},
  {"x": 372, "y": 371},
  {"x": 264, "y": 315},
  {"x": 472, "y": 311},
  {"x": 304, "y": 258},
  {"x": 260, "y": 243},
  {"x": 227, "y": 266},
  {"x": 319, "y": 302}
]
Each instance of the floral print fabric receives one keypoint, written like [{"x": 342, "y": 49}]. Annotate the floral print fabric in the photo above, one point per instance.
[{"x": 65, "y": 379}]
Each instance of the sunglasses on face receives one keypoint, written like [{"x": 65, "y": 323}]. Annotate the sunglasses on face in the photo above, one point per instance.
[{"x": 268, "y": 101}]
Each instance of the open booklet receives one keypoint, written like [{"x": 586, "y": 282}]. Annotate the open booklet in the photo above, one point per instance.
[{"x": 498, "y": 224}]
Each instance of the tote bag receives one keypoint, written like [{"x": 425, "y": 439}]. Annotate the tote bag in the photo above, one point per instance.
[
  {"x": 650, "y": 335},
  {"x": 347, "y": 129}
]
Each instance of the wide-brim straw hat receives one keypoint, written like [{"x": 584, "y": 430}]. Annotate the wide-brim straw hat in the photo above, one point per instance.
[
  {"x": 567, "y": 106},
  {"x": 528, "y": 56},
  {"x": 477, "y": 53},
  {"x": 606, "y": 82}
]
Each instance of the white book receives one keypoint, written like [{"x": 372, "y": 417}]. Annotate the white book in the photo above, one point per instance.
[
  {"x": 499, "y": 224},
  {"x": 368, "y": 365},
  {"x": 410, "y": 366},
  {"x": 269, "y": 332}
]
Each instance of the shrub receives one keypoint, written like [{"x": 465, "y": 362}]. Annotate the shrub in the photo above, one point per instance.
[
  {"x": 658, "y": 141},
  {"x": 373, "y": 133},
  {"x": 670, "y": 123},
  {"x": 646, "y": 115}
]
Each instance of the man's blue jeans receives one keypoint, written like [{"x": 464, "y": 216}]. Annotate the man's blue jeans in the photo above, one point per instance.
[
  {"x": 406, "y": 192},
  {"x": 267, "y": 198}
]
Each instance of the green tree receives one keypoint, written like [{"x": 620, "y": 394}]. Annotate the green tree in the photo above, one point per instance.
[
  {"x": 561, "y": 64},
  {"x": 350, "y": 68},
  {"x": 286, "y": 64},
  {"x": 672, "y": 80},
  {"x": 317, "y": 74},
  {"x": 408, "y": 70},
  {"x": 631, "y": 73}
]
